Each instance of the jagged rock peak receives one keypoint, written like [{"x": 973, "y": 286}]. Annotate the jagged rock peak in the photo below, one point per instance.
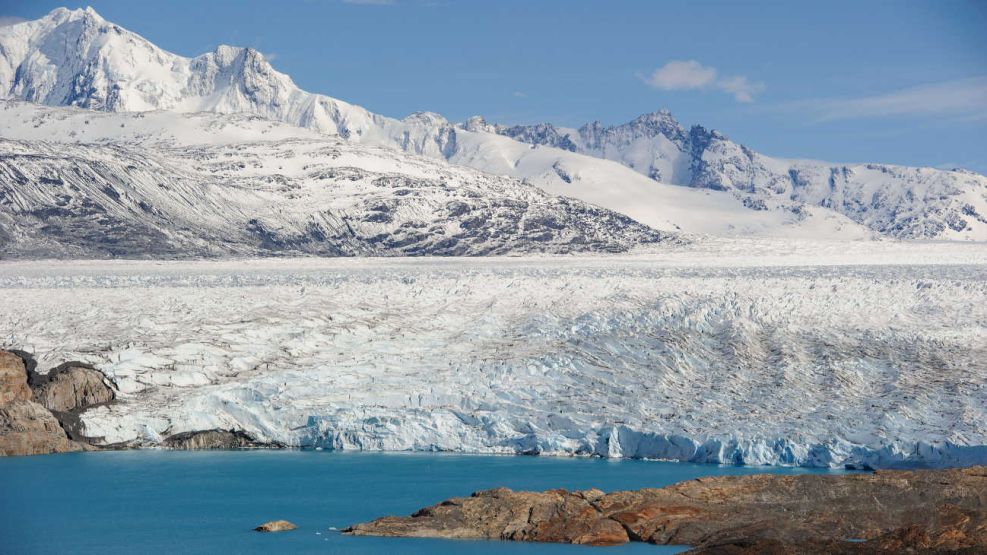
[
  {"x": 661, "y": 117},
  {"x": 478, "y": 124},
  {"x": 427, "y": 118}
]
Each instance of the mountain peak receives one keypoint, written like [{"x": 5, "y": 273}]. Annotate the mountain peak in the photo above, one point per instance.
[
  {"x": 661, "y": 115},
  {"x": 226, "y": 54},
  {"x": 61, "y": 15},
  {"x": 427, "y": 118},
  {"x": 661, "y": 122},
  {"x": 478, "y": 124}
]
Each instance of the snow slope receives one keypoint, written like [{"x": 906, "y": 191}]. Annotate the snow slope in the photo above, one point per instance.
[
  {"x": 892, "y": 200},
  {"x": 76, "y": 58},
  {"x": 177, "y": 186},
  {"x": 804, "y": 353}
]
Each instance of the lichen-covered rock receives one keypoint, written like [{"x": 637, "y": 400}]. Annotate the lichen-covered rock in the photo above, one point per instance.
[
  {"x": 276, "y": 526},
  {"x": 893, "y": 511},
  {"x": 71, "y": 387},
  {"x": 13, "y": 379}
]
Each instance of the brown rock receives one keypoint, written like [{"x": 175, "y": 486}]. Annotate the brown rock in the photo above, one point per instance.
[
  {"x": 894, "y": 511},
  {"x": 27, "y": 428},
  {"x": 70, "y": 387},
  {"x": 276, "y": 526},
  {"x": 13, "y": 379}
]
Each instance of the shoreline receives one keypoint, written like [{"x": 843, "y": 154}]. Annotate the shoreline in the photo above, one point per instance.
[{"x": 928, "y": 511}]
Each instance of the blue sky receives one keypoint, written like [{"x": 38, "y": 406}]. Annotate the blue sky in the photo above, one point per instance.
[{"x": 899, "y": 82}]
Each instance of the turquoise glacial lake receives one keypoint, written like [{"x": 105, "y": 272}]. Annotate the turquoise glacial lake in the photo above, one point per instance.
[{"x": 208, "y": 502}]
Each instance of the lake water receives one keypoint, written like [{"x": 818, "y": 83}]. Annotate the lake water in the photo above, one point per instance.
[{"x": 208, "y": 502}]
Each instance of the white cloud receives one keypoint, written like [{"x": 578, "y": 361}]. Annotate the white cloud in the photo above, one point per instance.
[
  {"x": 370, "y": 2},
  {"x": 519, "y": 94},
  {"x": 740, "y": 87},
  {"x": 682, "y": 75},
  {"x": 687, "y": 75},
  {"x": 6, "y": 20},
  {"x": 966, "y": 98}
]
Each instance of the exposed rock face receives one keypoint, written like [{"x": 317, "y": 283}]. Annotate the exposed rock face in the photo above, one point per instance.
[
  {"x": 67, "y": 391},
  {"x": 894, "y": 511},
  {"x": 26, "y": 428},
  {"x": 276, "y": 526},
  {"x": 214, "y": 439},
  {"x": 13, "y": 379},
  {"x": 72, "y": 386}
]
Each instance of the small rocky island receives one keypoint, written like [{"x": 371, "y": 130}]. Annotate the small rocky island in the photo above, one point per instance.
[{"x": 929, "y": 511}]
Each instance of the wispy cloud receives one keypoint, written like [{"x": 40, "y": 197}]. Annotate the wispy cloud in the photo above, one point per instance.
[
  {"x": 963, "y": 98},
  {"x": 6, "y": 20},
  {"x": 687, "y": 75},
  {"x": 371, "y": 2},
  {"x": 519, "y": 94}
]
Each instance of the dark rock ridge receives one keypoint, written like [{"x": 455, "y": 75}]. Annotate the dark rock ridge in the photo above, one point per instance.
[
  {"x": 216, "y": 439},
  {"x": 927, "y": 511}
]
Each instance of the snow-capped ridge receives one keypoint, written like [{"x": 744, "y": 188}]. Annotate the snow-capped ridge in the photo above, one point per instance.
[
  {"x": 75, "y": 58},
  {"x": 897, "y": 201},
  {"x": 159, "y": 184}
]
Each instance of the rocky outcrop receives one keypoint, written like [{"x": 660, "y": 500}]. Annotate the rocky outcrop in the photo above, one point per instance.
[
  {"x": 13, "y": 379},
  {"x": 885, "y": 512},
  {"x": 67, "y": 391},
  {"x": 26, "y": 428},
  {"x": 71, "y": 386},
  {"x": 215, "y": 439},
  {"x": 276, "y": 526}
]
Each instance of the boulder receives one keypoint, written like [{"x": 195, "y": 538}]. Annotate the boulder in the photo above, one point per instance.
[
  {"x": 276, "y": 526},
  {"x": 72, "y": 387},
  {"x": 926, "y": 511}
]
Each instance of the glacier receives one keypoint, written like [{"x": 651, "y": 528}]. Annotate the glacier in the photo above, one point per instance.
[{"x": 824, "y": 354}]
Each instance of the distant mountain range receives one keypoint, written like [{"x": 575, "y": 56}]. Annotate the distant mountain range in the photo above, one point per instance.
[
  {"x": 652, "y": 169},
  {"x": 169, "y": 185},
  {"x": 897, "y": 201}
]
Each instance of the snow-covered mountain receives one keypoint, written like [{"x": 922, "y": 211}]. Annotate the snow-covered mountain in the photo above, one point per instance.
[
  {"x": 75, "y": 58},
  {"x": 175, "y": 185},
  {"x": 893, "y": 200}
]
